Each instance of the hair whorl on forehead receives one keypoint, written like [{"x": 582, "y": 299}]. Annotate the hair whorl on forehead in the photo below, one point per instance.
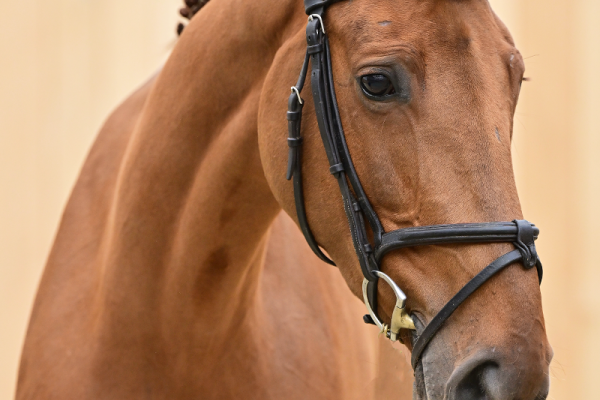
[{"x": 190, "y": 9}]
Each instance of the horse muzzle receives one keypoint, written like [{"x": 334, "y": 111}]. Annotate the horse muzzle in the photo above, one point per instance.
[{"x": 490, "y": 375}]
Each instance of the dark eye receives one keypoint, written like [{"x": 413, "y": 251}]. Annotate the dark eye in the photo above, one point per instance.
[{"x": 377, "y": 85}]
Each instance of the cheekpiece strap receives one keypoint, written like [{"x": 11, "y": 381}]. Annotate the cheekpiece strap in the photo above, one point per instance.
[{"x": 331, "y": 131}]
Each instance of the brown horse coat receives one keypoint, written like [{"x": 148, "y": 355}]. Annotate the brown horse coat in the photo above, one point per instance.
[{"x": 175, "y": 274}]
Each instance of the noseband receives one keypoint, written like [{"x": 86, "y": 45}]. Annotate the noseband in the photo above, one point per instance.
[{"x": 359, "y": 211}]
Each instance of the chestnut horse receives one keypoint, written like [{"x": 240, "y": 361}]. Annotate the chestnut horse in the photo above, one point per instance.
[{"x": 175, "y": 274}]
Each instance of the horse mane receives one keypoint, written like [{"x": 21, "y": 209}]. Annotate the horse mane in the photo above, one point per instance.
[{"x": 190, "y": 9}]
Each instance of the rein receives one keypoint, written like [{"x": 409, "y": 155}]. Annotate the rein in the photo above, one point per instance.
[{"x": 359, "y": 211}]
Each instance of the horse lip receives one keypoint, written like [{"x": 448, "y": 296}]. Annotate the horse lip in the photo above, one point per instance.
[{"x": 419, "y": 388}]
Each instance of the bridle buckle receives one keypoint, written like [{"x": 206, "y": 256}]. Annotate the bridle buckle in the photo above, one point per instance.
[
  {"x": 317, "y": 16},
  {"x": 297, "y": 92},
  {"x": 400, "y": 318}
]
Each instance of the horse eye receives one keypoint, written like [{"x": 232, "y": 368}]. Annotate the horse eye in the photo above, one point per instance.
[{"x": 377, "y": 85}]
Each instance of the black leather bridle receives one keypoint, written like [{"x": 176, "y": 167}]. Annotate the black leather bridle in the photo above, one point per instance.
[{"x": 360, "y": 212}]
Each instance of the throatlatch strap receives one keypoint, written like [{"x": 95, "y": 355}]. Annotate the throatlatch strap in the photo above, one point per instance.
[{"x": 294, "y": 170}]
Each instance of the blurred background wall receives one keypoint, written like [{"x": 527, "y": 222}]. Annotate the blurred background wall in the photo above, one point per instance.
[{"x": 65, "y": 64}]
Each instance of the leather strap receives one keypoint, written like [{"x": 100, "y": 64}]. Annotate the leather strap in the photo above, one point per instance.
[
  {"x": 330, "y": 127},
  {"x": 356, "y": 203},
  {"x": 294, "y": 116},
  {"x": 488, "y": 232},
  {"x": 436, "y": 323}
]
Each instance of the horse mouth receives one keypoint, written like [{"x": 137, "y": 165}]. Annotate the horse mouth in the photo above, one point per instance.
[{"x": 419, "y": 389}]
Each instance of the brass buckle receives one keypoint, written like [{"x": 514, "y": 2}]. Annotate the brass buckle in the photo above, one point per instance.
[{"x": 400, "y": 318}]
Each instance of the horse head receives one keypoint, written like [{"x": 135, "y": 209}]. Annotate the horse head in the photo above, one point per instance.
[{"x": 426, "y": 92}]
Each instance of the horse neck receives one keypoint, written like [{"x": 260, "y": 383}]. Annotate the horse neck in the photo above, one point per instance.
[{"x": 192, "y": 208}]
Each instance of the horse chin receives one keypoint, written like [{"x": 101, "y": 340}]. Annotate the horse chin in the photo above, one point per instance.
[
  {"x": 431, "y": 371},
  {"x": 419, "y": 388},
  {"x": 419, "y": 385},
  {"x": 429, "y": 381}
]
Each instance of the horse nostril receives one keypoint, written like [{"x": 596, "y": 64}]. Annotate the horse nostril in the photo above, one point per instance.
[
  {"x": 477, "y": 384},
  {"x": 486, "y": 378}
]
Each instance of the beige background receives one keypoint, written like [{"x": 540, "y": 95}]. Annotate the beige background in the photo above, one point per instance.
[{"x": 66, "y": 63}]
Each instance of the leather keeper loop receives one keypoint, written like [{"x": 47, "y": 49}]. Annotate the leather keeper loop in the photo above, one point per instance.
[
  {"x": 317, "y": 48},
  {"x": 294, "y": 142},
  {"x": 526, "y": 243},
  {"x": 294, "y": 115},
  {"x": 336, "y": 169}
]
